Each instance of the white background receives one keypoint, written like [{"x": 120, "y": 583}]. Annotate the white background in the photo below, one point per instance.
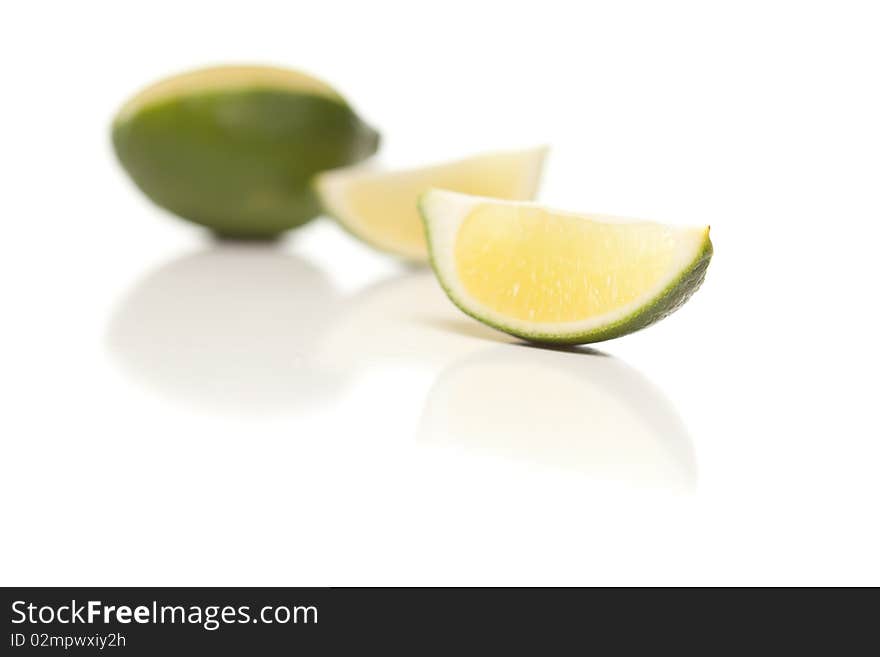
[{"x": 312, "y": 413}]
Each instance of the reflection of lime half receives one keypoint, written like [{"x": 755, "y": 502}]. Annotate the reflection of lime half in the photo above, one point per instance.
[
  {"x": 234, "y": 148},
  {"x": 558, "y": 277},
  {"x": 233, "y": 328},
  {"x": 381, "y": 207},
  {"x": 591, "y": 414}
]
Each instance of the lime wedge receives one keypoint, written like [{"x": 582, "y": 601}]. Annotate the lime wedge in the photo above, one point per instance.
[
  {"x": 557, "y": 277},
  {"x": 380, "y": 207}
]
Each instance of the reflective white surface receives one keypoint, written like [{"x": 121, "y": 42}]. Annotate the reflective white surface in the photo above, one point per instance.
[
  {"x": 257, "y": 330},
  {"x": 229, "y": 328},
  {"x": 178, "y": 411},
  {"x": 587, "y": 412}
]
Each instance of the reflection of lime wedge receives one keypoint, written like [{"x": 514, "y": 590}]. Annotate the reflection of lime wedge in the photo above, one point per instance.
[
  {"x": 381, "y": 207},
  {"x": 235, "y": 148},
  {"x": 558, "y": 277},
  {"x": 592, "y": 414}
]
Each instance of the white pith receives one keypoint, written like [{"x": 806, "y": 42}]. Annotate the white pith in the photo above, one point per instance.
[
  {"x": 333, "y": 189},
  {"x": 444, "y": 213}
]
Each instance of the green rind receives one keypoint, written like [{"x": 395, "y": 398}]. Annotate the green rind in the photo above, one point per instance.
[
  {"x": 240, "y": 162},
  {"x": 664, "y": 304}
]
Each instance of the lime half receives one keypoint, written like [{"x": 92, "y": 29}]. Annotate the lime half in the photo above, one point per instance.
[{"x": 235, "y": 148}]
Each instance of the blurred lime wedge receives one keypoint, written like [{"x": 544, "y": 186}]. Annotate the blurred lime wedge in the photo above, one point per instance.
[{"x": 380, "y": 207}]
